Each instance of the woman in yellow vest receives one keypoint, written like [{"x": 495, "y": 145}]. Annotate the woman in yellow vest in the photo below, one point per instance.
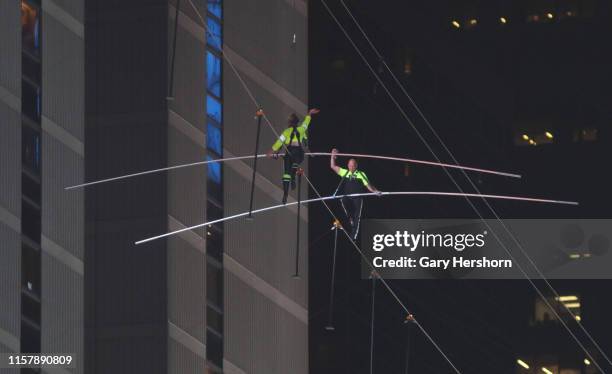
[{"x": 293, "y": 137}]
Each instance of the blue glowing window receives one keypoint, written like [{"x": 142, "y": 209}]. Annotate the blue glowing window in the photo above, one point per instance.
[
  {"x": 213, "y": 139},
  {"x": 214, "y": 109},
  {"x": 37, "y": 34},
  {"x": 214, "y": 171},
  {"x": 213, "y": 74},
  {"x": 214, "y": 33},
  {"x": 215, "y": 8}
]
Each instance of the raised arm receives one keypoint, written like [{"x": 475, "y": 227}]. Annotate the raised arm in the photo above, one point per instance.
[
  {"x": 332, "y": 161},
  {"x": 308, "y": 117}
]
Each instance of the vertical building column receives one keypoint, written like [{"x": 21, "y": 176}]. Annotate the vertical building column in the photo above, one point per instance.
[
  {"x": 214, "y": 201},
  {"x": 31, "y": 91}
]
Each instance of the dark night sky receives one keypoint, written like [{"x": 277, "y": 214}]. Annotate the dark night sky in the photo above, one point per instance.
[{"x": 479, "y": 87}]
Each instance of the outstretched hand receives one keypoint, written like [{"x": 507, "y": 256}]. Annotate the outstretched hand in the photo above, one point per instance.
[
  {"x": 334, "y": 152},
  {"x": 313, "y": 111}
]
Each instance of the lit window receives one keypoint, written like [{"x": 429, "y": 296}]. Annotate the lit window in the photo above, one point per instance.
[
  {"x": 214, "y": 109},
  {"x": 214, "y": 33},
  {"x": 522, "y": 363},
  {"x": 213, "y": 74},
  {"x": 30, "y": 26},
  {"x": 215, "y": 8},
  {"x": 214, "y": 171},
  {"x": 213, "y": 139}
]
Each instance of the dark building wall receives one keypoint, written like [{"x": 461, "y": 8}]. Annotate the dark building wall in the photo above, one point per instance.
[
  {"x": 62, "y": 242},
  {"x": 186, "y": 196},
  {"x": 10, "y": 185},
  {"x": 126, "y": 130}
]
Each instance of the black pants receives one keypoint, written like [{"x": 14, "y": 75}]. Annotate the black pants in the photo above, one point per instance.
[
  {"x": 292, "y": 160},
  {"x": 352, "y": 207}
]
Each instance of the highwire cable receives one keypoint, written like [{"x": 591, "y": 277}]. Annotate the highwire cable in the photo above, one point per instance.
[{"x": 456, "y": 184}]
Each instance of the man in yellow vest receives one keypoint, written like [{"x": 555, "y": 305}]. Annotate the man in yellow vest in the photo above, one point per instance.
[
  {"x": 293, "y": 137},
  {"x": 354, "y": 181}
]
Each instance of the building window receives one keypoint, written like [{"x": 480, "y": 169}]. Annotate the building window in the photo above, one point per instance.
[
  {"x": 214, "y": 241},
  {"x": 213, "y": 109},
  {"x": 214, "y": 283},
  {"x": 214, "y": 319},
  {"x": 30, "y": 221},
  {"x": 214, "y": 348},
  {"x": 214, "y": 186},
  {"x": 213, "y": 74},
  {"x": 30, "y": 309},
  {"x": 214, "y": 171},
  {"x": 30, "y": 177},
  {"x": 215, "y": 8},
  {"x": 30, "y": 27},
  {"x": 214, "y": 33},
  {"x": 30, "y": 104},
  {"x": 30, "y": 269},
  {"x": 214, "y": 189},
  {"x": 213, "y": 138},
  {"x": 30, "y": 148},
  {"x": 30, "y": 188},
  {"x": 585, "y": 135},
  {"x": 30, "y": 68},
  {"x": 30, "y": 337},
  {"x": 214, "y": 212}
]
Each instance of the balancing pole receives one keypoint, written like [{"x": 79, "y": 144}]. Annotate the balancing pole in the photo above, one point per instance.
[
  {"x": 409, "y": 321},
  {"x": 258, "y": 115},
  {"x": 299, "y": 174},
  {"x": 330, "y": 326}
]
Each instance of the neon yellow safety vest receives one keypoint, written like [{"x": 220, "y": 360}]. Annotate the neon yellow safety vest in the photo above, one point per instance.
[
  {"x": 357, "y": 175},
  {"x": 302, "y": 134}
]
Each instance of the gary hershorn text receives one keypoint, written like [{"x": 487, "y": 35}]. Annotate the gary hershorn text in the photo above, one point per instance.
[{"x": 441, "y": 264}]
